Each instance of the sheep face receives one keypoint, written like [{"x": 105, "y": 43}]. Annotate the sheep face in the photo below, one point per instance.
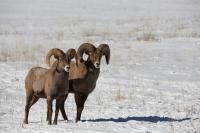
[
  {"x": 95, "y": 58},
  {"x": 64, "y": 64}
]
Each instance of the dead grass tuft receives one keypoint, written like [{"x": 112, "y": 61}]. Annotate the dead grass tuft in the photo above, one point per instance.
[
  {"x": 148, "y": 36},
  {"x": 119, "y": 96}
]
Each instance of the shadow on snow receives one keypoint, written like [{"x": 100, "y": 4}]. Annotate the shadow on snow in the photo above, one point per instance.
[{"x": 153, "y": 119}]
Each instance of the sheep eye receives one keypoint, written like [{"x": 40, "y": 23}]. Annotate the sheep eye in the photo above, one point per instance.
[{"x": 60, "y": 58}]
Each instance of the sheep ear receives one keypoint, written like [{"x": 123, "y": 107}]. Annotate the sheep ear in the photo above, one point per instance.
[
  {"x": 90, "y": 53},
  {"x": 59, "y": 58}
]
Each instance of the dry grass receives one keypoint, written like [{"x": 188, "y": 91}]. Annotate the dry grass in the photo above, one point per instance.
[
  {"x": 119, "y": 96},
  {"x": 147, "y": 36},
  {"x": 20, "y": 55}
]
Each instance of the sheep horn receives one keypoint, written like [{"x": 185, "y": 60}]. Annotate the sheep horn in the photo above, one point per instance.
[
  {"x": 56, "y": 53},
  {"x": 105, "y": 49},
  {"x": 87, "y": 48},
  {"x": 71, "y": 53}
]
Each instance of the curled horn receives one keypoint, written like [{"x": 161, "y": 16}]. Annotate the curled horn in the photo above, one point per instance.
[
  {"x": 105, "y": 49},
  {"x": 57, "y": 53},
  {"x": 71, "y": 53},
  {"x": 87, "y": 48}
]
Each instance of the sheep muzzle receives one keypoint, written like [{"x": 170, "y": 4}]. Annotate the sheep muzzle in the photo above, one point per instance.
[{"x": 66, "y": 68}]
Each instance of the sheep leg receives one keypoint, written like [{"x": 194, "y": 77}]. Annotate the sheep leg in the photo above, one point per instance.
[
  {"x": 62, "y": 108},
  {"x": 49, "y": 106},
  {"x": 33, "y": 100},
  {"x": 27, "y": 107},
  {"x": 58, "y": 103},
  {"x": 47, "y": 114},
  {"x": 80, "y": 100}
]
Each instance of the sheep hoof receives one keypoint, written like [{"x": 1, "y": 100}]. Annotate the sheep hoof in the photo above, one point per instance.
[
  {"x": 77, "y": 121},
  {"x": 25, "y": 122},
  {"x": 49, "y": 123},
  {"x": 65, "y": 118},
  {"x": 55, "y": 122}
]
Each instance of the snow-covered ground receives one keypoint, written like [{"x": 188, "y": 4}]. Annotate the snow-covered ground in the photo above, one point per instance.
[{"x": 151, "y": 85}]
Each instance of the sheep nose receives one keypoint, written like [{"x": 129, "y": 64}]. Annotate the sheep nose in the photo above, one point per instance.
[
  {"x": 97, "y": 64},
  {"x": 67, "y": 68}
]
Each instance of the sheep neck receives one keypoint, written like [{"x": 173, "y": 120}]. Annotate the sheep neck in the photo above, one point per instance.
[{"x": 92, "y": 69}]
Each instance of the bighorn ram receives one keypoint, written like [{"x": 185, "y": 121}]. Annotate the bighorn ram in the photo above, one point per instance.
[
  {"x": 83, "y": 78},
  {"x": 49, "y": 83}
]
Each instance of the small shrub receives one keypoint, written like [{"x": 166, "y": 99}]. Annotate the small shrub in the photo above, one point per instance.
[
  {"x": 147, "y": 36},
  {"x": 119, "y": 96}
]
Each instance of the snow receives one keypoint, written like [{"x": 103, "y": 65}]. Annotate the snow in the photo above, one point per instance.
[{"x": 149, "y": 86}]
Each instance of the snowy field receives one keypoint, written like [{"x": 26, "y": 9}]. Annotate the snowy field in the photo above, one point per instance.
[{"x": 152, "y": 84}]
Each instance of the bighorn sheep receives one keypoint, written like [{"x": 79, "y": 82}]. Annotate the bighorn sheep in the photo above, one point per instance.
[
  {"x": 49, "y": 83},
  {"x": 83, "y": 78}
]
